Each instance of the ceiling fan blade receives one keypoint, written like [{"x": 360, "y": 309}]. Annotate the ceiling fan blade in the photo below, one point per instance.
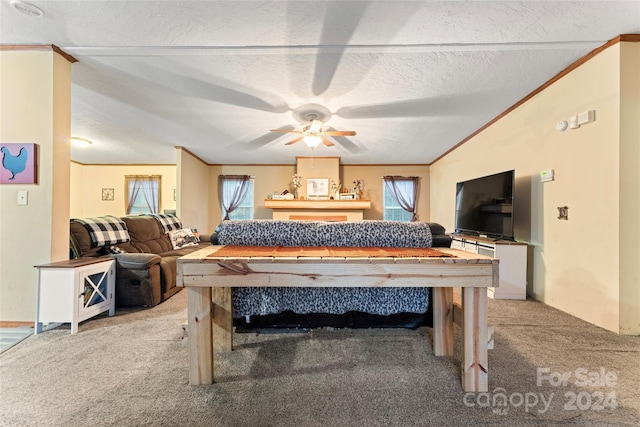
[
  {"x": 204, "y": 87},
  {"x": 261, "y": 141},
  {"x": 333, "y": 35},
  {"x": 346, "y": 143},
  {"x": 340, "y": 133},
  {"x": 440, "y": 106},
  {"x": 294, "y": 141},
  {"x": 326, "y": 142}
]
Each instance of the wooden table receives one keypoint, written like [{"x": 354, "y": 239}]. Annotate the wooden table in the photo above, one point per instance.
[{"x": 209, "y": 280}]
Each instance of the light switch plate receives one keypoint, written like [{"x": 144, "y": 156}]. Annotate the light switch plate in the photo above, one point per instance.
[{"x": 23, "y": 197}]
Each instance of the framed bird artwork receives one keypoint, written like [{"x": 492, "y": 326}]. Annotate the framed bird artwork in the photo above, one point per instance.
[{"x": 18, "y": 164}]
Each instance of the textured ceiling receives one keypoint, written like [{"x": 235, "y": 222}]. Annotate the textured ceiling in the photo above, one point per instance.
[{"x": 412, "y": 78}]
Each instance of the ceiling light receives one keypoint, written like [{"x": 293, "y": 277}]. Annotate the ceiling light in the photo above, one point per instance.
[
  {"x": 80, "y": 142},
  {"x": 27, "y": 8},
  {"x": 312, "y": 140},
  {"x": 315, "y": 126}
]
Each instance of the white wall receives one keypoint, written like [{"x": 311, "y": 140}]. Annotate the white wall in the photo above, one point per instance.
[{"x": 575, "y": 263}]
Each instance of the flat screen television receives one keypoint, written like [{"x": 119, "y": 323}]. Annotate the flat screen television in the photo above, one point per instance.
[{"x": 484, "y": 206}]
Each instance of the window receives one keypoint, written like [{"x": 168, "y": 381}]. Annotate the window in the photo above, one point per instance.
[
  {"x": 142, "y": 193},
  {"x": 236, "y": 196},
  {"x": 399, "y": 195},
  {"x": 392, "y": 210},
  {"x": 245, "y": 208}
]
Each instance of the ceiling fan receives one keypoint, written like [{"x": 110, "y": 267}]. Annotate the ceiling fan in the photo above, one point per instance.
[{"x": 312, "y": 134}]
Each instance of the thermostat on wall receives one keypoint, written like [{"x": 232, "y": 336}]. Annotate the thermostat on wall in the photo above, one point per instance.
[{"x": 546, "y": 175}]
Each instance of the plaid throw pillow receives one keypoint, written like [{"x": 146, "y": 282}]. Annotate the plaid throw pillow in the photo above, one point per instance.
[
  {"x": 168, "y": 222},
  {"x": 105, "y": 231}
]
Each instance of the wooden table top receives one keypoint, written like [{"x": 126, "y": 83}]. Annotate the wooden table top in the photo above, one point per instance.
[{"x": 450, "y": 256}]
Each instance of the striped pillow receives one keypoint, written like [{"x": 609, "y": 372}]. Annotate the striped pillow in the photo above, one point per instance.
[{"x": 105, "y": 231}]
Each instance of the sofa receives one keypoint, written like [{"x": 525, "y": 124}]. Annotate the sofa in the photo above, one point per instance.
[
  {"x": 269, "y": 307},
  {"x": 145, "y": 248}
]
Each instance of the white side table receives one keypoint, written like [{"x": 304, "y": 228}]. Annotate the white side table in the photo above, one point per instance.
[{"x": 75, "y": 290}]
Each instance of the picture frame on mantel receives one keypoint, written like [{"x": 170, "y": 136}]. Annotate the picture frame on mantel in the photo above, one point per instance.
[
  {"x": 317, "y": 188},
  {"x": 317, "y": 167}
]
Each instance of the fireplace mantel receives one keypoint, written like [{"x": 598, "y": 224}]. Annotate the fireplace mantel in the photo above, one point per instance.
[{"x": 325, "y": 210}]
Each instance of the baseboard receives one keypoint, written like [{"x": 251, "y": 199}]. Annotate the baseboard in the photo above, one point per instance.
[{"x": 14, "y": 324}]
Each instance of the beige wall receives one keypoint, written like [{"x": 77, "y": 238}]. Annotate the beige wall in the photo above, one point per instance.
[
  {"x": 198, "y": 205},
  {"x": 76, "y": 190},
  {"x": 372, "y": 175},
  {"x": 268, "y": 179},
  {"x": 87, "y": 182},
  {"x": 317, "y": 167},
  {"x": 271, "y": 178},
  {"x": 35, "y": 93},
  {"x": 629, "y": 188},
  {"x": 193, "y": 192},
  {"x": 575, "y": 263}
]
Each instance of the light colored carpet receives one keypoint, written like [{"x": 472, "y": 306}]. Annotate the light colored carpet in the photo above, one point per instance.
[{"x": 131, "y": 369}]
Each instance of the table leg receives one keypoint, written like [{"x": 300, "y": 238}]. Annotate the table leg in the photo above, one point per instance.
[
  {"x": 475, "y": 366},
  {"x": 222, "y": 320},
  {"x": 200, "y": 335},
  {"x": 442, "y": 301}
]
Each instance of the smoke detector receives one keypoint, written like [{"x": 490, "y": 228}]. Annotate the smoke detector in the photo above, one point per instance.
[{"x": 26, "y": 8}]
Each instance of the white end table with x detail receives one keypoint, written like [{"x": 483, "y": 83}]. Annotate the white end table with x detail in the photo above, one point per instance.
[{"x": 75, "y": 290}]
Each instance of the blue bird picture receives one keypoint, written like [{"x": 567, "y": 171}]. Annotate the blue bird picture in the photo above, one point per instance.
[{"x": 18, "y": 164}]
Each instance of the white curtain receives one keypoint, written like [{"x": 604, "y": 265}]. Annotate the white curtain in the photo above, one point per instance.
[
  {"x": 232, "y": 189},
  {"x": 150, "y": 188},
  {"x": 404, "y": 191}
]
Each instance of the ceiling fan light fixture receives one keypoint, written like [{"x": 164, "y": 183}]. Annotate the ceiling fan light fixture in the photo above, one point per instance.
[
  {"x": 312, "y": 140},
  {"x": 315, "y": 126}
]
